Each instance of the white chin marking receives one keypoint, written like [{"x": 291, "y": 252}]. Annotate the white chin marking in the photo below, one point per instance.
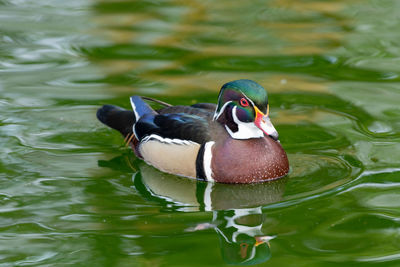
[
  {"x": 207, "y": 161},
  {"x": 246, "y": 130}
]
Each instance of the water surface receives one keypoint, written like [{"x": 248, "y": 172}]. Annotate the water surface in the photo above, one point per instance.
[{"x": 72, "y": 193}]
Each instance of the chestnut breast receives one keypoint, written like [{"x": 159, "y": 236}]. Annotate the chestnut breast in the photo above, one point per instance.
[{"x": 248, "y": 161}]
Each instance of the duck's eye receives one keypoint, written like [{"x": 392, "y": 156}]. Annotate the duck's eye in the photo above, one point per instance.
[{"x": 244, "y": 102}]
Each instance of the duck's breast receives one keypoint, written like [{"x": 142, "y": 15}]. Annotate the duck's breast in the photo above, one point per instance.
[{"x": 248, "y": 161}]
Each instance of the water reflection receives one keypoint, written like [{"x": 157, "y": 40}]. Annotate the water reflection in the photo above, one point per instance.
[
  {"x": 237, "y": 214},
  {"x": 241, "y": 238}
]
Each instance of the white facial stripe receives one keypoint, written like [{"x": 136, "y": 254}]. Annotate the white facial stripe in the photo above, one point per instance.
[
  {"x": 251, "y": 101},
  {"x": 167, "y": 140},
  {"x": 207, "y": 158},
  {"x": 246, "y": 130},
  {"x": 216, "y": 115}
]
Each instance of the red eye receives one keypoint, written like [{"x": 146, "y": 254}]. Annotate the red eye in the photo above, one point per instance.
[{"x": 243, "y": 102}]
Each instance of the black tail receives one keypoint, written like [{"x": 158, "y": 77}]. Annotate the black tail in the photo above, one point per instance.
[{"x": 117, "y": 118}]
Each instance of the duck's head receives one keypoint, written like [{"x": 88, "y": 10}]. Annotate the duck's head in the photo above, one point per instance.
[{"x": 243, "y": 109}]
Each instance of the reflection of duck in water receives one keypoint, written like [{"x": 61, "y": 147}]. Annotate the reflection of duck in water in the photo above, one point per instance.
[
  {"x": 241, "y": 237},
  {"x": 231, "y": 142},
  {"x": 237, "y": 213}
]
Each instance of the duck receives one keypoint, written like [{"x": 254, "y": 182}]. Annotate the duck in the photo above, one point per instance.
[{"x": 233, "y": 141}]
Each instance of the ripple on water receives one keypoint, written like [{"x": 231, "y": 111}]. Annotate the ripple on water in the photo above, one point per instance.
[
  {"x": 379, "y": 127},
  {"x": 312, "y": 175}
]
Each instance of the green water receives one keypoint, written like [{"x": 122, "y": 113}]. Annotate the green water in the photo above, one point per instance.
[{"x": 72, "y": 194}]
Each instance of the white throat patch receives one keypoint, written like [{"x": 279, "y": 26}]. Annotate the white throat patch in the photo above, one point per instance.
[{"x": 246, "y": 130}]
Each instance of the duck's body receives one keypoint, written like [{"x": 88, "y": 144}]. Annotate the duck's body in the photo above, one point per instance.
[{"x": 232, "y": 142}]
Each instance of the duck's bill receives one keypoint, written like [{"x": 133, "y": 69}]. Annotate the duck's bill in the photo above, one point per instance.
[{"x": 263, "y": 122}]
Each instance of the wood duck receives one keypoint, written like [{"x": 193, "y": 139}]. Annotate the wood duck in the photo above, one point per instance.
[{"x": 231, "y": 142}]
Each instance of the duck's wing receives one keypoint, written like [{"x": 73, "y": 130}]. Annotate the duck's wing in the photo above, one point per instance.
[
  {"x": 206, "y": 106},
  {"x": 181, "y": 123},
  {"x": 200, "y": 110},
  {"x": 173, "y": 127}
]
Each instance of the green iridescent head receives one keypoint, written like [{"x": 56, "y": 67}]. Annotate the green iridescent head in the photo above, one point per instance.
[
  {"x": 245, "y": 94},
  {"x": 243, "y": 109}
]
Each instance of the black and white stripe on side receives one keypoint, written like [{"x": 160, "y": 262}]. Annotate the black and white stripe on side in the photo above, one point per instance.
[
  {"x": 161, "y": 139},
  {"x": 200, "y": 174},
  {"x": 203, "y": 162}
]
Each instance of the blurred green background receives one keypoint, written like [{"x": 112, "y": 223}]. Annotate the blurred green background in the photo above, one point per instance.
[{"x": 71, "y": 193}]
